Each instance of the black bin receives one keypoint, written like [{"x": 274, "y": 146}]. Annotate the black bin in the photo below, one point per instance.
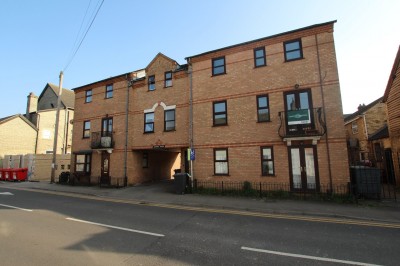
[
  {"x": 366, "y": 181},
  {"x": 181, "y": 182}
]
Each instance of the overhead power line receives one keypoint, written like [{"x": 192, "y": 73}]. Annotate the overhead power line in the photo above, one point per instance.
[
  {"x": 80, "y": 30},
  {"x": 84, "y": 36}
]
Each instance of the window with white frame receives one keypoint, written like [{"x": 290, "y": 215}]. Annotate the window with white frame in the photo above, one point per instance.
[
  {"x": 267, "y": 161},
  {"x": 221, "y": 161}
]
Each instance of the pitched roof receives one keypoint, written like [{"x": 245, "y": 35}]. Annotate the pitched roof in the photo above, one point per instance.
[
  {"x": 392, "y": 75},
  {"x": 67, "y": 96},
  {"x": 265, "y": 38},
  {"x": 122, "y": 76},
  {"x": 161, "y": 55},
  {"x": 11, "y": 117},
  {"x": 381, "y": 133},
  {"x": 361, "y": 110}
]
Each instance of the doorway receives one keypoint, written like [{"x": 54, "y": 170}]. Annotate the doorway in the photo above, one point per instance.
[
  {"x": 303, "y": 168},
  {"x": 389, "y": 167},
  {"x": 105, "y": 168}
]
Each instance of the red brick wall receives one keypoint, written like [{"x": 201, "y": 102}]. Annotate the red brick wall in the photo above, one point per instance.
[{"x": 243, "y": 136}]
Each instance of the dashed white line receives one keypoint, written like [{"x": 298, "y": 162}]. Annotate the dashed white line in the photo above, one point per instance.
[
  {"x": 308, "y": 257},
  {"x": 117, "y": 227},
  {"x": 13, "y": 207},
  {"x": 6, "y": 193}
]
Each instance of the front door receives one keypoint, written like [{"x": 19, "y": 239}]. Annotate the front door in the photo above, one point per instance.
[
  {"x": 299, "y": 111},
  {"x": 389, "y": 167},
  {"x": 303, "y": 166},
  {"x": 105, "y": 168}
]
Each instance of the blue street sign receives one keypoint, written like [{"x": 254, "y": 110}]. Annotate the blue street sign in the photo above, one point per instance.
[{"x": 192, "y": 155}]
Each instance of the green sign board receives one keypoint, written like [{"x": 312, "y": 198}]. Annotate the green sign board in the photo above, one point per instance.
[{"x": 298, "y": 117}]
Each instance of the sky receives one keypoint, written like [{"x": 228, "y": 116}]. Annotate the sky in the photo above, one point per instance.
[{"x": 40, "y": 37}]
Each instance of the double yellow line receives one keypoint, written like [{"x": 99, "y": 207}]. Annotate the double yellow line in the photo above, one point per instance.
[{"x": 223, "y": 211}]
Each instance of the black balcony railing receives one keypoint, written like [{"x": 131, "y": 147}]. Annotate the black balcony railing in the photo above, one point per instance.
[
  {"x": 102, "y": 140},
  {"x": 302, "y": 123}
]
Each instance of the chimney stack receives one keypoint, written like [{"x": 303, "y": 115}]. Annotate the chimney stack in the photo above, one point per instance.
[{"x": 31, "y": 104}]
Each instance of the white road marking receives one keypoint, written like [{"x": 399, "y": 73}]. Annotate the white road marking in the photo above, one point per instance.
[
  {"x": 308, "y": 257},
  {"x": 13, "y": 207},
  {"x": 6, "y": 193},
  {"x": 116, "y": 227}
]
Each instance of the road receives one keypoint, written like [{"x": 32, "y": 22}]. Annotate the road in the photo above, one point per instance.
[{"x": 58, "y": 229}]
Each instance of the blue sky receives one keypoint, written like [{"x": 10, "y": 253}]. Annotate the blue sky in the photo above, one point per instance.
[{"x": 38, "y": 37}]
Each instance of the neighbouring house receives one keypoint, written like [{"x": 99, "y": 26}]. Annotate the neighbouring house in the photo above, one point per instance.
[
  {"x": 17, "y": 136},
  {"x": 360, "y": 126},
  {"x": 28, "y": 140},
  {"x": 41, "y": 111},
  {"x": 392, "y": 100},
  {"x": 267, "y": 110},
  {"x": 381, "y": 153}
]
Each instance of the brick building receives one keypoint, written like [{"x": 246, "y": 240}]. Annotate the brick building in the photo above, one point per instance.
[
  {"x": 267, "y": 110},
  {"x": 392, "y": 100},
  {"x": 360, "y": 126}
]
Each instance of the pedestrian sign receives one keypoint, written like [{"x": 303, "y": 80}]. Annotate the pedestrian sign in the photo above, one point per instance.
[{"x": 191, "y": 155}]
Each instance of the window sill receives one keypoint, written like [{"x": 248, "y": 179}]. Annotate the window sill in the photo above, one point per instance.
[
  {"x": 297, "y": 59},
  {"x": 268, "y": 121},
  {"x": 148, "y": 132},
  {"x": 221, "y": 125},
  {"x": 221, "y": 175},
  {"x": 255, "y": 67},
  {"x": 216, "y": 75},
  {"x": 268, "y": 175},
  {"x": 173, "y": 130},
  {"x": 167, "y": 87}
]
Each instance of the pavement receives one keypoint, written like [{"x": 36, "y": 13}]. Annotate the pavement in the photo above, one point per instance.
[{"x": 164, "y": 193}]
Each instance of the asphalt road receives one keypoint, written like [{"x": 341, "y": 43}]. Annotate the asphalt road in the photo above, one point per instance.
[{"x": 49, "y": 229}]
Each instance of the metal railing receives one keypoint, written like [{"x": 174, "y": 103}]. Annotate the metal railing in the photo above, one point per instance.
[
  {"x": 285, "y": 190},
  {"x": 299, "y": 123},
  {"x": 102, "y": 140}
]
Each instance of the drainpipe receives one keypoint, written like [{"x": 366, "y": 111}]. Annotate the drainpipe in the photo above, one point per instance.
[
  {"x": 365, "y": 126},
  {"x": 65, "y": 140},
  {"x": 190, "y": 117},
  {"x": 67, "y": 131},
  {"x": 126, "y": 131},
  {"x": 323, "y": 108}
]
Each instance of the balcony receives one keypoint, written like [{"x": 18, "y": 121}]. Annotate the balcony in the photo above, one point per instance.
[
  {"x": 102, "y": 140},
  {"x": 302, "y": 123}
]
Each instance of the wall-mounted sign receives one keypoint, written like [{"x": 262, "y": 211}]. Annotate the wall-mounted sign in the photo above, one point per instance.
[
  {"x": 298, "y": 117},
  {"x": 191, "y": 154}
]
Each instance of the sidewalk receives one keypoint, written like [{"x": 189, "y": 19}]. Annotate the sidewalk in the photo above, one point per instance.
[{"x": 163, "y": 193}]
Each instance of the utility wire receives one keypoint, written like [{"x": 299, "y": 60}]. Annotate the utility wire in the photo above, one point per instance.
[
  {"x": 80, "y": 29},
  {"x": 91, "y": 23}
]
